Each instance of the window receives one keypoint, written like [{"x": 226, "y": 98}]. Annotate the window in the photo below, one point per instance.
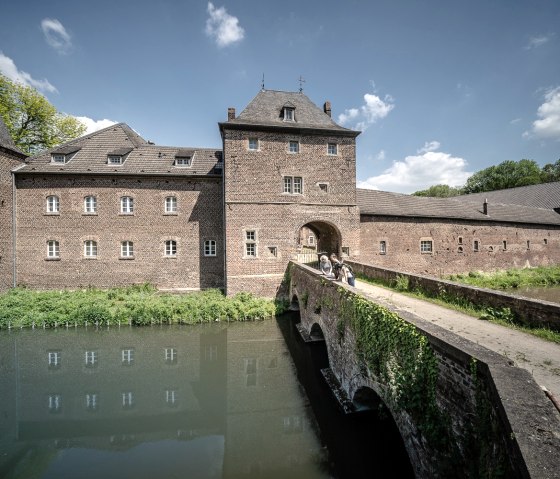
[
  {"x": 183, "y": 161},
  {"x": 293, "y": 146},
  {"x": 528, "y": 244},
  {"x": 332, "y": 149},
  {"x": 293, "y": 185},
  {"x": 92, "y": 401},
  {"x": 210, "y": 248},
  {"x": 273, "y": 251},
  {"x": 253, "y": 144},
  {"x": 170, "y": 397},
  {"x": 476, "y": 245},
  {"x": 127, "y": 205},
  {"x": 545, "y": 241},
  {"x": 53, "y": 249},
  {"x": 324, "y": 187},
  {"x": 170, "y": 355},
  {"x": 171, "y": 248},
  {"x": 127, "y": 249},
  {"x": 311, "y": 240},
  {"x": 55, "y": 402},
  {"x": 345, "y": 251},
  {"x": 426, "y": 246},
  {"x": 298, "y": 185},
  {"x": 90, "y": 204},
  {"x": 287, "y": 184},
  {"x": 383, "y": 247},
  {"x": 289, "y": 114},
  {"x": 58, "y": 158},
  {"x": 251, "y": 243},
  {"x": 127, "y": 400},
  {"x": 127, "y": 356},
  {"x": 53, "y": 204},
  {"x": 54, "y": 359},
  {"x": 460, "y": 240},
  {"x": 90, "y": 249},
  {"x": 171, "y": 204},
  {"x": 114, "y": 160},
  {"x": 91, "y": 358},
  {"x": 460, "y": 249},
  {"x": 504, "y": 244}
]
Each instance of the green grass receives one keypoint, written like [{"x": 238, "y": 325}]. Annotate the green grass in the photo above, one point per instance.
[
  {"x": 496, "y": 316},
  {"x": 511, "y": 278},
  {"x": 137, "y": 305}
]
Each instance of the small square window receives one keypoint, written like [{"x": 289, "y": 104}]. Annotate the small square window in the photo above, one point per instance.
[
  {"x": 332, "y": 149},
  {"x": 210, "y": 248},
  {"x": 289, "y": 114},
  {"x": 58, "y": 158},
  {"x": 324, "y": 187},
  {"x": 383, "y": 247},
  {"x": 293, "y": 146},
  {"x": 114, "y": 160},
  {"x": 250, "y": 235},
  {"x": 345, "y": 251},
  {"x": 273, "y": 251},
  {"x": 426, "y": 246},
  {"x": 183, "y": 161},
  {"x": 253, "y": 144}
]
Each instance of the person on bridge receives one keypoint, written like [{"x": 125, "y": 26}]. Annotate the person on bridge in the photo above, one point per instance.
[{"x": 325, "y": 265}]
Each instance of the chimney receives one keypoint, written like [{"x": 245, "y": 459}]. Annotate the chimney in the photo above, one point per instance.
[
  {"x": 327, "y": 108},
  {"x": 485, "y": 207},
  {"x": 231, "y": 114}
]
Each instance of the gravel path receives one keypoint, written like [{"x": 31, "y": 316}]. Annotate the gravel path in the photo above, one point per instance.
[{"x": 541, "y": 358}]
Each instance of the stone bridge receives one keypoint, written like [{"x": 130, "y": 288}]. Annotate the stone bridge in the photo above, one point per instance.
[{"x": 462, "y": 410}]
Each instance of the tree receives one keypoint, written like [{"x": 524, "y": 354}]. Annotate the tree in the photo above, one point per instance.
[
  {"x": 439, "y": 191},
  {"x": 507, "y": 174},
  {"x": 551, "y": 172},
  {"x": 32, "y": 120}
]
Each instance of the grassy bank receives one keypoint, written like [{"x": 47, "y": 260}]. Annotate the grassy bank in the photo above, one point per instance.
[
  {"x": 136, "y": 305},
  {"x": 511, "y": 278}
]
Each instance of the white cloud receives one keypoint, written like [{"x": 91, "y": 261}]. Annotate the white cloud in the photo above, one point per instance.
[
  {"x": 94, "y": 125},
  {"x": 548, "y": 126},
  {"x": 373, "y": 109},
  {"x": 223, "y": 27},
  {"x": 56, "y": 35},
  {"x": 380, "y": 156},
  {"x": 535, "y": 42},
  {"x": 9, "y": 69},
  {"x": 418, "y": 172}
]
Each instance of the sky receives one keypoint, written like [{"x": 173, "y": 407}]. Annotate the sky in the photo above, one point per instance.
[{"x": 439, "y": 88}]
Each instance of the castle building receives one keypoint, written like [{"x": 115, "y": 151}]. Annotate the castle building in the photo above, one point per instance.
[{"x": 111, "y": 208}]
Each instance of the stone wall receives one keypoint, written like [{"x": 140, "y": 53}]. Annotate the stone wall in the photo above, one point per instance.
[
  {"x": 499, "y": 245},
  {"x": 499, "y": 419},
  {"x": 532, "y": 312},
  {"x": 198, "y": 218}
]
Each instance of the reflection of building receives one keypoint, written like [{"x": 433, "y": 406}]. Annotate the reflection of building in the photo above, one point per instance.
[
  {"x": 117, "y": 390},
  {"x": 111, "y": 208}
]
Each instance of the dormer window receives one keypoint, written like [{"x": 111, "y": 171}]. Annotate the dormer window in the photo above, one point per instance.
[
  {"x": 118, "y": 156},
  {"x": 64, "y": 154},
  {"x": 183, "y": 158},
  {"x": 59, "y": 158},
  {"x": 289, "y": 113}
]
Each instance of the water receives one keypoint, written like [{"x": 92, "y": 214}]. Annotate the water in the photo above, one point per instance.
[
  {"x": 205, "y": 401},
  {"x": 546, "y": 293}
]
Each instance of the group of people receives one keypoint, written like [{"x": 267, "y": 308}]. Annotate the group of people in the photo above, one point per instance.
[{"x": 337, "y": 269}]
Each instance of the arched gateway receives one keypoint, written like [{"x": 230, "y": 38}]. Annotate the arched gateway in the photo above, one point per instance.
[{"x": 317, "y": 237}]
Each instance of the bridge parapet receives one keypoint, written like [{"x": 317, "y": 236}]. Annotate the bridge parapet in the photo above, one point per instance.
[{"x": 462, "y": 410}]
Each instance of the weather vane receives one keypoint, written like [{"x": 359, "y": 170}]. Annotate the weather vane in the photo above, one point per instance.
[
  {"x": 262, "y": 83},
  {"x": 301, "y": 82}
]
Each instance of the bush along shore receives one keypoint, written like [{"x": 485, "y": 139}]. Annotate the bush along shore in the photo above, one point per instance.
[{"x": 133, "y": 305}]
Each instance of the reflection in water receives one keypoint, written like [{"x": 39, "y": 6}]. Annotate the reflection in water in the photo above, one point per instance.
[
  {"x": 197, "y": 401},
  {"x": 547, "y": 293}
]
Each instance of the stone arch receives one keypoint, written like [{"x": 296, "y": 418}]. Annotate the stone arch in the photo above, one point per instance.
[
  {"x": 365, "y": 399},
  {"x": 316, "y": 332},
  {"x": 327, "y": 234}
]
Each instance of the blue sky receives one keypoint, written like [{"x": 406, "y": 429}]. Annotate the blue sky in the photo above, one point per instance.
[{"x": 440, "y": 88}]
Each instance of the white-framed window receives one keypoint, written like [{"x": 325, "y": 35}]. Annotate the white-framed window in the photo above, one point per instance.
[
  {"x": 127, "y": 356},
  {"x": 287, "y": 184},
  {"x": 171, "y": 248},
  {"x": 311, "y": 240},
  {"x": 92, "y": 401},
  {"x": 127, "y": 249},
  {"x": 183, "y": 161},
  {"x": 127, "y": 400},
  {"x": 251, "y": 243},
  {"x": 289, "y": 114},
  {"x": 426, "y": 246},
  {"x": 90, "y": 249},
  {"x": 53, "y": 204},
  {"x": 171, "y": 397},
  {"x": 170, "y": 355},
  {"x": 58, "y": 158},
  {"x": 332, "y": 149},
  {"x": 53, "y": 249},
  {"x": 90, "y": 204},
  {"x": 127, "y": 205},
  {"x": 55, "y": 402},
  {"x": 91, "y": 358},
  {"x": 298, "y": 185},
  {"x": 293, "y": 185},
  {"x": 114, "y": 160},
  {"x": 171, "y": 204},
  {"x": 210, "y": 248},
  {"x": 253, "y": 144},
  {"x": 55, "y": 359},
  {"x": 293, "y": 146},
  {"x": 383, "y": 247}
]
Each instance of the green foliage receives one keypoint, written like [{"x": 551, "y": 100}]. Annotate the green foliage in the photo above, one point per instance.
[
  {"x": 32, "y": 120},
  {"x": 502, "y": 314},
  {"x": 551, "y": 172},
  {"x": 507, "y": 174},
  {"x": 512, "y": 278},
  {"x": 137, "y": 305},
  {"x": 401, "y": 283},
  {"x": 439, "y": 191}
]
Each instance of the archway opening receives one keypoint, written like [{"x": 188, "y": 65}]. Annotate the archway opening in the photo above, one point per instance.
[
  {"x": 316, "y": 332},
  {"x": 317, "y": 237},
  {"x": 366, "y": 399}
]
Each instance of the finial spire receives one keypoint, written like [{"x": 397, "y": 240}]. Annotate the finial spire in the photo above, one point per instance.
[
  {"x": 262, "y": 83},
  {"x": 301, "y": 82}
]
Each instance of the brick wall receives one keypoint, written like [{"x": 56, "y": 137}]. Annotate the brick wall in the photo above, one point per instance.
[
  {"x": 255, "y": 201},
  {"x": 198, "y": 218},
  {"x": 8, "y": 161},
  {"x": 454, "y": 245}
]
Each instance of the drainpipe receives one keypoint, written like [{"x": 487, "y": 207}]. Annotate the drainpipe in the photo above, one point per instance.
[{"x": 14, "y": 242}]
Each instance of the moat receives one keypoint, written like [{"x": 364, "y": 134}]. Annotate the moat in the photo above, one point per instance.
[{"x": 212, "y": 400}]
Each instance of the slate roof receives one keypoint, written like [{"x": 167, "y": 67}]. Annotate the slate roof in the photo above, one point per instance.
[
  {"x": 144, "y": 158},
  {"x": 545, "y": 195},
  {"x": 266, "y": 110},
  {"x": 383, "y": 203}
]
